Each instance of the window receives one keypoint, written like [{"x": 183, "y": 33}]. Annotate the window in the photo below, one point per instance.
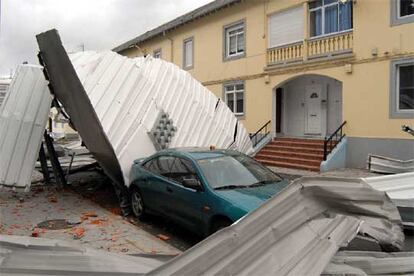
[
  {"x": 157, "y": 53},
  {"x": 188, "y": 53},
  {"x": 234, "y": 40},
  {"x": 234, "y": 97},
  {"x": 402, "y": 89},
  {"x": 402, "y": 11},
  {"x": 405, "y": 87},
  {"x": 182, "y": 169},
  {"x": 329, "y": 16},
  {"x": 286, "y": 27},
  {"x": 406, "y": 8},
  {"x": 159, "y": 165}
]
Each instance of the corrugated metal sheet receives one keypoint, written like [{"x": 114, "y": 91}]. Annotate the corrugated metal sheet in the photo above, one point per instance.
[
  {"x": 371, "y": 263},
  {"x": 129, "y": 94},
  {"x": 37, "y": 256},
  {"x": 4, "y": 85},
  {"x": 399, "y": 187},
  {"x": 23, "y": 119},
  {"x": 381, "y": 164},
  {"x": 295, "y": 233}
]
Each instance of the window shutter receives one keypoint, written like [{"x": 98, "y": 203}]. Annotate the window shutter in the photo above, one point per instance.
[{"x": 286, "y": 27}]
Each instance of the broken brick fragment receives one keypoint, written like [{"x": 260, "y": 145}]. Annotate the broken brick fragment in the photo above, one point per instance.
[
  {"x": 163, "y": 237},
  {"x": 78, "y": 233},
  {"x": 36, "y": 232}
]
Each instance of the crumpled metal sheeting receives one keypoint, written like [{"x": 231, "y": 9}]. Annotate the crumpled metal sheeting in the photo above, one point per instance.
[
  {"x": 360, "y": 200},
  {"x": 399, "y": 187},
  {"x": 371, "y": 263},
  {"x": 38, "y": 256},
  {"x": 382, "y": 164},
  {"x": 128, "y": 94},
  {"x": 295, "y": 233},
  {"x": 23, "y": 118}
]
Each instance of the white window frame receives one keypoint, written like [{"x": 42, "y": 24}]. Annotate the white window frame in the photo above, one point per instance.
[
  {"x": 322, "y": 8},
  {"x": 157, "y": 53},
  {"x": 185, "y": 65},
  {"x": 229, "y": 28},
  {"x": 235, "y": 92},
  {"x": 395, "y": 111}
]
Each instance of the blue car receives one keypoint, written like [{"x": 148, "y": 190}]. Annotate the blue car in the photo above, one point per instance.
[{"x": 203, "y": 190}]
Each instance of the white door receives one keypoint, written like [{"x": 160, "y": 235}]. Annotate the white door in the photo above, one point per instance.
[{"x": 313, "y": 112}]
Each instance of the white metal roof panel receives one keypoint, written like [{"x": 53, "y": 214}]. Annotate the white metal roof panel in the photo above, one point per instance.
[
  {"x": 382, "y": 164},
  {"x": 38, "y": 256},
  {"x": 399, "y": 187},
  {"x": 23, "y": 118},
  {"x": 129, "y": 94},
  {"x": 295, "y": 233}
]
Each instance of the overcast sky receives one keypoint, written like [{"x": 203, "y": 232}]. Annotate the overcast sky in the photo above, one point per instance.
[{"x": 98, "y": 24}]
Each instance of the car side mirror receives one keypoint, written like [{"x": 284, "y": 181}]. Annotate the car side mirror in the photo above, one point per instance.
[{"x": 192, "y": 183}]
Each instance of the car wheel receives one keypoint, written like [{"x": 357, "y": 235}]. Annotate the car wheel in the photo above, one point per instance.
[
  {"x": 137, "y": 204},
  {"x": 220, "y": 224}
]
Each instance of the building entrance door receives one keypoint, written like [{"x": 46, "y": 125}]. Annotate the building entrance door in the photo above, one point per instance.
[{"x": 313, "y": 114}]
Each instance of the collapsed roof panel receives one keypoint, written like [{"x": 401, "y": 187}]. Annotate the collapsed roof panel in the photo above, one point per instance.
[
  {"x": 386, "y": 165},
  {"x": 295, "y": 233},
  {"x": 147, "y": 104},
  {"x": 21, "y": 255},
  {"x": 400, "y": 188},
  {"x": 23, "y": 118}
]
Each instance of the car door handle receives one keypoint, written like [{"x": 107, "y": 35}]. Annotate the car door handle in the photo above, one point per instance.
[{"x": 169, "y": 190}]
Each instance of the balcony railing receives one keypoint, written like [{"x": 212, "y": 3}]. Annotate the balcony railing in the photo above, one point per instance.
[
  {"x": 319, "y": 47},
  {"x": 286, "y": 53}
]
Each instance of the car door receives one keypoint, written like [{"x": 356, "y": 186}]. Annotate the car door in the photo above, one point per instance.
[
  {"x": 154, "y": 188},
  {"x": 184, "y": 204}
]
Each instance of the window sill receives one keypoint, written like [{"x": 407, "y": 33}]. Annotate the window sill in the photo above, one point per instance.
[
  {"x": 330, "y": 34},
  {"x": 240, "y": 116},
  {"x": 230, "y": 58},
  {"x": 402, "y": 115}
]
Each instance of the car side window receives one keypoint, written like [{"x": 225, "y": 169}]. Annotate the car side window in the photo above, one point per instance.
[
  {"x": 182, "y": 169},
  {"x": 160, "y": 165}
]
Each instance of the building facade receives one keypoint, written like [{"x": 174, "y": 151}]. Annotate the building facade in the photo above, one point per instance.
[{"x": 305, "y": 66}]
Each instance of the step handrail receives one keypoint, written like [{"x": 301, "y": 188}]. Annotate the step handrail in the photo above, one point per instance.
[
  {"x": 263, "y": 130},
  {"x": 330, "y": 140}
]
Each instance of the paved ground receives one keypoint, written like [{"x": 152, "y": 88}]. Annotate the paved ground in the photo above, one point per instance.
[
  {"x": 90, "y": 194},
  {"x": 104, "y": 196},
  {"x": 93, "y": 225}
]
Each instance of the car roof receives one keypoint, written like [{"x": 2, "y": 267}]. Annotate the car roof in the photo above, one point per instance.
[{"x": 200, "y": 152}]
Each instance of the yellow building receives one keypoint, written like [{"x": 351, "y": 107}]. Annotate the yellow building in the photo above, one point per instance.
[{"x": 305, "y": 66}]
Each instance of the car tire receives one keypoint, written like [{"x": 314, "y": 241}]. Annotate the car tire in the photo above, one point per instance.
[
  {"x": 220, "y": 224},
  {"x": 137, "y": 204}
]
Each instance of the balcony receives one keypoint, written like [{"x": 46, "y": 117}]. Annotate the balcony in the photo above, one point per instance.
[{"x": 335, "y": 45}]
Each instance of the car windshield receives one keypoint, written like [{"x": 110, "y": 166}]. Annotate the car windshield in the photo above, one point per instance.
[{"x": 235, "y": 172}]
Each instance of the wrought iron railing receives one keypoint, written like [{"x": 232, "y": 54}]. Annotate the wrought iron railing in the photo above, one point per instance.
[
  {"x": 260, "y": 134},
  {"x": 332, "y": 141}
]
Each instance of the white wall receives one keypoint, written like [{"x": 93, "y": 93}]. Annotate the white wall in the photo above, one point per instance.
[{"x": 294, "y": 105}]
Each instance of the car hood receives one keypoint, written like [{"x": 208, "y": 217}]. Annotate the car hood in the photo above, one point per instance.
[{"x": 249, "y": 199}]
